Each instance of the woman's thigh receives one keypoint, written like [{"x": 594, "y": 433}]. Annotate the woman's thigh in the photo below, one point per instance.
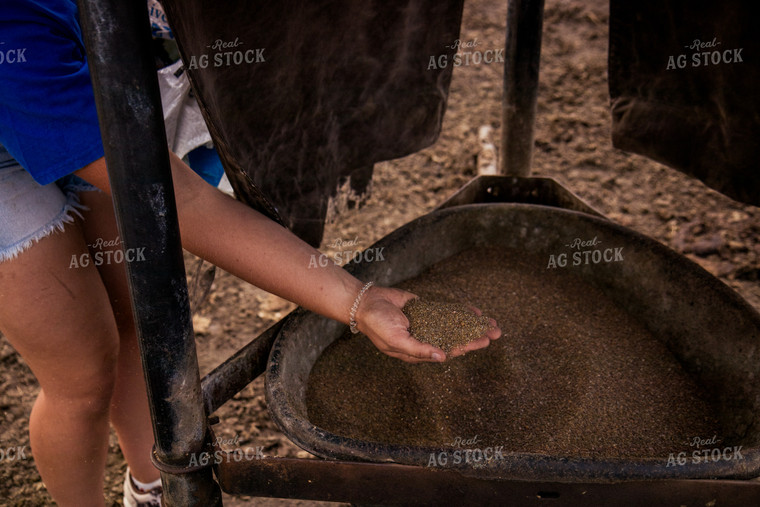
[
  {"x": 56, "y": 312},
  {"x": 102, "y": 236}
]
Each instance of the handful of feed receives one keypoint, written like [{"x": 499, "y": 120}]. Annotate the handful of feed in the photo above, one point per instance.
[{"x": 444, "y": 325}]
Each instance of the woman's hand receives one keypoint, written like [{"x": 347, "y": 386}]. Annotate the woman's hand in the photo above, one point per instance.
[{"x": 380, "y": 318}]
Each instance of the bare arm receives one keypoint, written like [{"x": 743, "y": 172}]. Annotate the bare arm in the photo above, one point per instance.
[{"x": 249, "y": 245}]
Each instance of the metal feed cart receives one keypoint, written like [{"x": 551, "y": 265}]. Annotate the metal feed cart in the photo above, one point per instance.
[{"x": 182, "y": 404}]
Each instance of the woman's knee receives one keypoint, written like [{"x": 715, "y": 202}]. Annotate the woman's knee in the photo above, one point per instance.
[{"x": 88, "y": 386}]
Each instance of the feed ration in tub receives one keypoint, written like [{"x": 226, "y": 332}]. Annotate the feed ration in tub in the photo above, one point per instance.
[{"x": 573, "y": 373}]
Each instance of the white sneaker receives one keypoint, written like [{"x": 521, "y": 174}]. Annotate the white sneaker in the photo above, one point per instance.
[{"x": 133, "y": 497}]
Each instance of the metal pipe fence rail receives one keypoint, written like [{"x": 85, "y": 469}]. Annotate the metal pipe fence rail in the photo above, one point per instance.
[{"x": 118, "y": 41}]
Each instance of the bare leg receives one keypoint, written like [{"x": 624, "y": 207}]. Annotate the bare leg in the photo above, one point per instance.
[
  {"x": 130, "y": 415},
  {"x": 59, "y": 319}
]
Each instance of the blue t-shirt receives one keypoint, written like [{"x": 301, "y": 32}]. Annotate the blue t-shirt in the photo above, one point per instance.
[{"x": 48, "y": 121}]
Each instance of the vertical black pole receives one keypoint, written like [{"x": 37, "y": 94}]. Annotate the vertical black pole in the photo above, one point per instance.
[
  {"x": 521, "y": 62},
  {"x": 117, "y": 37}
]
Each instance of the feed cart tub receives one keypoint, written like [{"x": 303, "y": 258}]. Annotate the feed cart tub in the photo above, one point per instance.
[{"x": 712, "y": 334}]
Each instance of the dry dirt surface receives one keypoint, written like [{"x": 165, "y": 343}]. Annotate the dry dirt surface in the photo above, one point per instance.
[{"x": 572, "y": 145}]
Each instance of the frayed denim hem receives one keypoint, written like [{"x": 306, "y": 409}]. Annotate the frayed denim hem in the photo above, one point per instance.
[{"x": 67, "y": 215}]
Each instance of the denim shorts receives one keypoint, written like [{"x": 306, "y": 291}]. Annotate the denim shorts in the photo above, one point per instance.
[{"x": 30, "y": 211}]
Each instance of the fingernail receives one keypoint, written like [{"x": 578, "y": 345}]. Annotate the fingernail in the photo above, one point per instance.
[{"x": 437, "y": 357}]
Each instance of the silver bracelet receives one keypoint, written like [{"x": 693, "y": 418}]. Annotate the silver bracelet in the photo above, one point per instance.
[{"x": 352, "y": 316}]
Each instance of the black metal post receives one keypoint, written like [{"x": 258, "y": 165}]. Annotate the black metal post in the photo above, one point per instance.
[
  {"x": 521, "y": 63},
  {"x": 117, "y": 37}
]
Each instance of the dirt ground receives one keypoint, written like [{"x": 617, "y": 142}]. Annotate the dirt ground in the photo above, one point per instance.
[{"x": 572, "y": 145}]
